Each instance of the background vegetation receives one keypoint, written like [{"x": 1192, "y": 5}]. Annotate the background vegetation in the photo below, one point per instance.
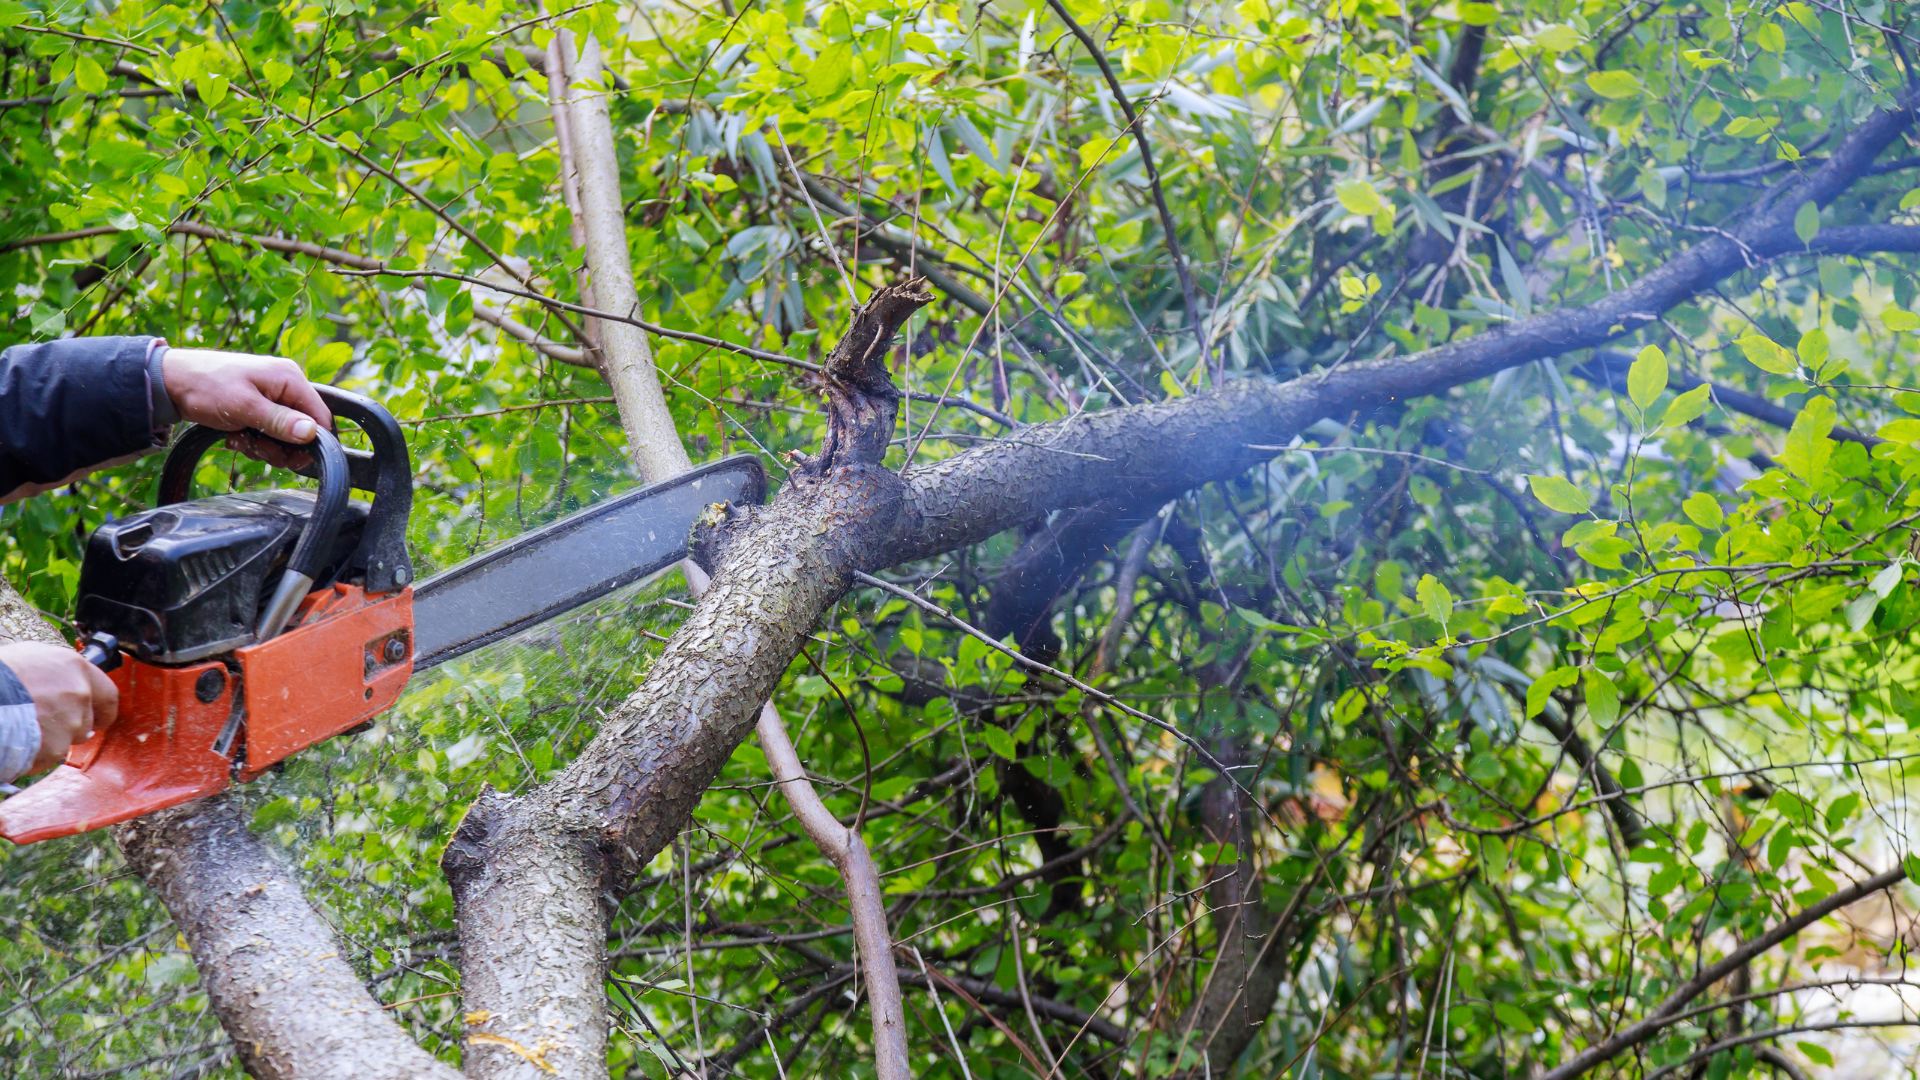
[{"x": 1546, "y": 691}]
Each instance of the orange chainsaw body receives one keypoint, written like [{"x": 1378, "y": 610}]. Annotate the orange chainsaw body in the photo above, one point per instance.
[
  {"x": 239, "y": 628},
  {"x": 181, "y": 734}
]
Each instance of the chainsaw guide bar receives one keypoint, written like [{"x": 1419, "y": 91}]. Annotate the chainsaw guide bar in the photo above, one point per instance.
[
  {"x": 572, "y": 561},
  {"x": 242, "y": 629}
]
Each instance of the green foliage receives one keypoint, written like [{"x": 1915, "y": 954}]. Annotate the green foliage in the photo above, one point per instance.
[{"x": 1425, "y": 595}]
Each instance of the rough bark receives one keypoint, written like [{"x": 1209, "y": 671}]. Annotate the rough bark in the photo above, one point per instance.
[
  {"x": 1160, "y": 451},
  {"x": 533, "y": 931},
  {"x": 271, "y": 967},
  {"x": 636, "y": 785},
  {"x": 1249, "y": 964}
]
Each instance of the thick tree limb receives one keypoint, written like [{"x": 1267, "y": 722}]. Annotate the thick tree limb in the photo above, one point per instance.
[
  {"x": 528, "y": 872},
  {"x": 533, "y": 944},
  {"x": 271, "y": 967},
  {"x": 1107, "y": 471},
  {"x": 1150, "y": 453}
]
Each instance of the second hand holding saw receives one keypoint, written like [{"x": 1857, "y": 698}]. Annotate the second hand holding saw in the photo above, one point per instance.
[{"x": 243, "y": 628}]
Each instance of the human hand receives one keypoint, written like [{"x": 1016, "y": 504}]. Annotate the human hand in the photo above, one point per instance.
[
  {"x": 70, "y": 697},
  {"x": 234, "y": 391}
]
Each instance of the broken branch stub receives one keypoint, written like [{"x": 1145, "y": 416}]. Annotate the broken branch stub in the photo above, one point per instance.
[{"x": 862, "y": 401}]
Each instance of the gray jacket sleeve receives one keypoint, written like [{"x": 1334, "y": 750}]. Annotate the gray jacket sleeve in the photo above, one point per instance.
[{"x": 19, "y": 729}]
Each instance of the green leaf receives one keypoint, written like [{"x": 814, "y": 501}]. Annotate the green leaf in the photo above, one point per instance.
[
  {"x": 1664, "y": 882},
  {"x": 1816, "y": 1053},
  {"x": 1558, "y": 494},
  {"x": 1478, "y": 14},
  {"x": 689, "y": 235},
  {"x": 1910, "y": 200},
  {"x": 1000, "y": 742},
  {"x": 1603, "y": 698},
  {"x": 1545, "y": 685},
  {"x": 1614, "y": 84},
  {"x": 1808, "y": 449},
  {"x": 1806, "y": 221},
  {"x": 1814, "y": 348},
  {"x": 1860, "y": 609},
  {"x": 1895, "y": 318},
  {"x": 1513, "y": 279},
  {"x": 1647, "y": 378},
  {"x": 45, "y": 320},
  {"x": 975, "y": 142},
  {"x": 1688, "y": 407},
  {"x": 1889, "y": 579},
  {"x": 1842, "y": 809},
  {"x": 213, "y": 91},
  {"x": 1435, "y": 600},
  {"x": 830, "y": 70},
  {"x": 1557, "y": 38},
  {"x": 1763, "y": 353},
  {"x": 1912, "y": 865},
  {"x": 277, "y": 73},
  {"x": 1358, "y": 196},
  {"x": 88, "y": 76},
  {"x": 1514, "y": 1017},
  {"x": 1703, "y": 510},
  {"x": 1779, "y": 846},
  {"x": 1653, "y": 186}
]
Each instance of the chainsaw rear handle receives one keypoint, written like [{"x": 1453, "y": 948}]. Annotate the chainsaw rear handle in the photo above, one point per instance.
[
  {"x": 386, "y": 473},
  {"x": 101, "y": 650}
]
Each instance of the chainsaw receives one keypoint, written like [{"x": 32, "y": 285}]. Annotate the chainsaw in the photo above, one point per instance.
[{"x": 241, "y": 629}]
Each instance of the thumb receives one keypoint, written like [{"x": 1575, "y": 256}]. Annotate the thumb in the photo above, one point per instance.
[{"x": 287, "y": 425}]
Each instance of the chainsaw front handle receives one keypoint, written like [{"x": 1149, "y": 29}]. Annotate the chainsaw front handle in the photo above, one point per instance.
[{"x": 386, "y": 473}]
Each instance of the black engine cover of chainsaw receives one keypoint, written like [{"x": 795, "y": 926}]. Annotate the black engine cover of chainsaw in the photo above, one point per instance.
[{"x": 183, "y": 582}]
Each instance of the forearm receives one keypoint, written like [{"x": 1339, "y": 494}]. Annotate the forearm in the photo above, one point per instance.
[{"x": 67, "y": 407}]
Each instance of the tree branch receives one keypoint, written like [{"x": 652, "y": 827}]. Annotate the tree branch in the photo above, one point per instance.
[
  {"x": 271, "y": 967},
  {"x": 848, "y": 853},
  {"x": 1609, "y": 368},
  {"x": 627, "y": 360},
  {"x": 1151, "y": 453}
]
